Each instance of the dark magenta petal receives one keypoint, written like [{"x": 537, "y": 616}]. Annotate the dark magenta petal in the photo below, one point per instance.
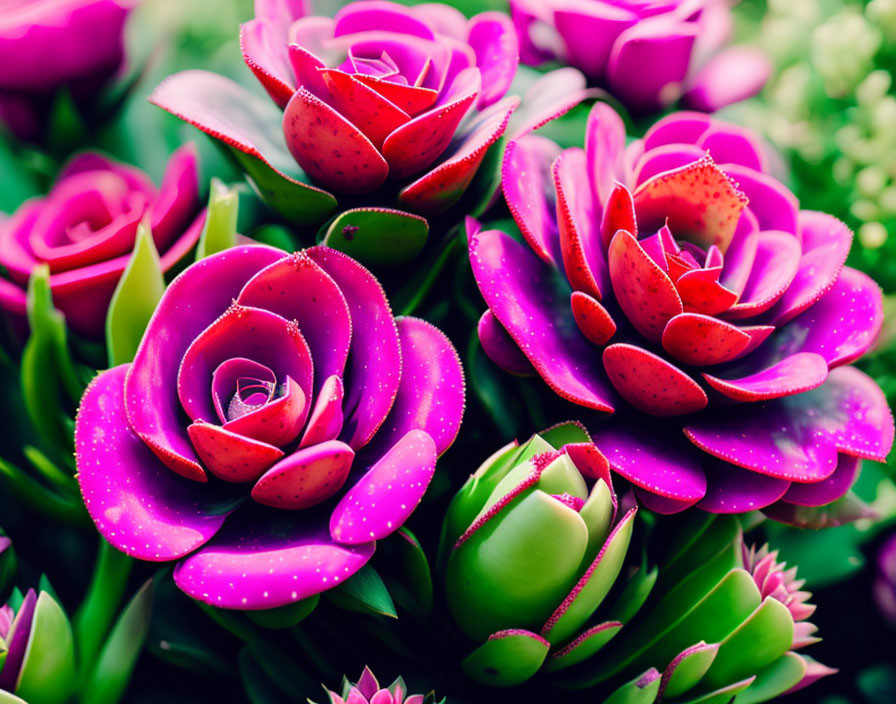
[
  {"x": 774, "y": 206},
  {"x": 592, "y": 318},
  {"x": 265, "y": 559},
  {"x": 792, "y": 375},
  {"x": 531, "y": 301},
  {"x": 137, "y": 504},
  {"x": 828, "y": 490},
  {"x": 662, "y": 43},
  {"x": 178, "y": 199},
  {"x": 308, "y": 68},
  {"x": 731, "y": 144},
  {"x": 728, "y": 77},
  {"x": 583, "y": 260},
  {"x": 374, "y": 364},
  {"x": 529, "y": 191},
  {"x": 658, "y": 463},
  {"x": 250, "y": 333},
  {"x": 701, "y": 340},
  {"x": 776, "y": 263},
  {"x": 741, "y": 253},
  {"x": 650, "y": 383},
  {"x": 798, "y": 437},
  {"x": 552, "y": 95},
  {"x": 386, "y": 495},
  {"x": 17, "y": 647},
  {"x": 266, "y": 55},
  {"x": 418, "y": 143},
  {"x": 325, "y": 421},
  {"x": 825, "y": 244},
  {"x": 277, "y": 422},
  {"x": 229, "y": 456},
  {"x": 660, "y": 504},
  {"x": 840, "y": 327},
  {"x": 733, "y": 489},
  {"x": 306, "y": 478},
  {"x": 439, "y": 189},
  {"x": 493, "y": 39},
  {"x": 191, "y": 303},
  {"x": 698, "y": 202},
  {"x": 604, "y": 147},
  {"x": 589, "y": 31},
  {"x": 500, "y": 347},
  {"x": 296, "y": 288},
  {"x": 681, "y": 127},
  {"x": 643, "y": 290},
  {"x": 431, "y": 394},
  {"x": 329, "y": 148},
  {"x": 226, "y": 376},
  {"x": 373, "y": 15}
]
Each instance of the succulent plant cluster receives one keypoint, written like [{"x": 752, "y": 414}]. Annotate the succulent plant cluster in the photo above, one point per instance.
[{"x": 263, "y": 369}]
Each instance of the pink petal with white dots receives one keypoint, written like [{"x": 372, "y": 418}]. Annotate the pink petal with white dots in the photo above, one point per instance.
[{"x": 383, "y": 498}]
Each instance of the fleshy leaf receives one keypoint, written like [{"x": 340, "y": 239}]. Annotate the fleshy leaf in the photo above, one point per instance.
[
  {"x": 365, "y": 592},
  {"x": 48, "y": 671},
  {"x": 507, "y": 658},
  {"x": 583, "y": 647},
  {"x": 134, "y": 301},
  {"x": 377, "y": 236},
  {"x": 111, "y": 673},
  {"x": 252, "y": 128},
  {"x": 219, "y": 231}
]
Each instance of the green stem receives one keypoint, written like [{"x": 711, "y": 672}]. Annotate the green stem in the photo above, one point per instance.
[
  {"x": 100, "y": 606},
  {"x": 422, "y": 290},
  {"x": 48, "y": 469}
]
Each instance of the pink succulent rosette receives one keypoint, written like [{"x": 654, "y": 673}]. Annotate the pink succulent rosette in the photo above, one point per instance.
[
  {"x": 648, "y": 53},
  {"x": 275, "y": 423},
  {"x": 49, "y": 44},
  {"x": 84, "y": 229},
  {"x": 677, "y": 283},
  {"x": 378, "y": 96}
]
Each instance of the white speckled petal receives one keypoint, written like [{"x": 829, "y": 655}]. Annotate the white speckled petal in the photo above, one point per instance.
[
  {"x": 267, "y": 558},
  {"x": 139, "y": 505},
  {"x": 383, "y": 499}
]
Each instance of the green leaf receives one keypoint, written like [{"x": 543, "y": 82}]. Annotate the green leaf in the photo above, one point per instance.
[
  {"x": 16, "y": 182},
  {"x": 39, "y": 498},
  {"x": 219, "y": 230},
  {"x": 507, "y": 659},
  {"x": 756, "y": 643},
  {"x": 364, "y": 592},
  {"x": 275, "y": 236},
  {"x": 48, "y": 671},
  {"x": 47, "y": 366},
  {"x": 634, "y": 594},
  {"x": 285, "y": 616},
  {"x": 570, "y": 432},
  {"x": 135, "y": 299},
  {"x": 725, "y": 695},
  {"x": 415, "y": 578},
  {"x": 377, "y": 237},
  {"x": 641, "y": 690},
  {"x": 689, "y": 669},
  {"x": 61, "y": 480},
  {"x": 66, "y": 130},
  {"x": 118, "y": 657},
  {"x": 258, "y": 686},
  {"x": 596, "y": 585},
  {"x": 7, "y": 568},
  {"x": 94, "y": 616},
  {"x": 583, "y": 647},
  {"x": 775, "y": 679}
]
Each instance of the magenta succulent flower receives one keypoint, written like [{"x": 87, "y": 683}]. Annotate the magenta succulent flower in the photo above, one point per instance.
[
  {"x": 84, "y": 230},
  {"x": 368, "y": 691},
  {"x": 380, "y": 92},
  {"x": 648, "y": 53},
  {"x": 681, "y": 275},
  {"x": 48, "y": 44},
  {"x": 275, "y": 423}
]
